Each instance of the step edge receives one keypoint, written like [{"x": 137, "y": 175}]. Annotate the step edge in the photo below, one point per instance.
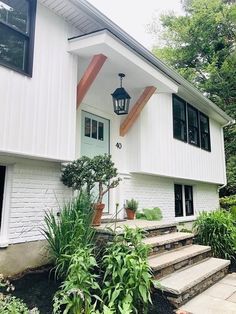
[
  {"x": 196, "y": 282},
  {"x": 163, "y": 242},
  {"x": 180, "y": 259}
]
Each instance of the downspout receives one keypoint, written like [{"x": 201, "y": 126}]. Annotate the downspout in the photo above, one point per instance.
[{"x": 225, "y": 125}]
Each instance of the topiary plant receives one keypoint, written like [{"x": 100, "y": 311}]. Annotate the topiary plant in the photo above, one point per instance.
[
  {"x": 104, "y": 174},
  {"x": 86, "y": 172},
  {"x": 78, "y": 174}
]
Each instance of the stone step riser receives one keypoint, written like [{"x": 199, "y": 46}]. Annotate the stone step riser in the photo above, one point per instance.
[
  {"x": 179, "y": 300},
  {"x": 160, "y": 231},
  {"x": 159, "y": 249},
  {"x": 157, "y": 274}
]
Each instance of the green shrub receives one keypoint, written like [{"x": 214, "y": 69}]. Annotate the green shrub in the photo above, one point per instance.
[
  {"x": 233, "y": 213},
  {"x": 217, "y": 230},
  {"x": 68, "y": 231},
  {"x": 10, "y": 304},
  {"x": 228, "y": 202},
  {"x": 132, "y": 204},
  {"x": 150, "y": 214},
  {"x": 127, "y": 275},
  {"x": 78, "y": 292}
]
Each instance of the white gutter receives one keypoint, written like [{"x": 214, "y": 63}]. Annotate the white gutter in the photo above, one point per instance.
[{"x": 145, "y": 53}]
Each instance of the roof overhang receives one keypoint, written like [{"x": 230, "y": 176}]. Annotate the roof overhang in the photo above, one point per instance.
[{"x": 122, "y": 58}]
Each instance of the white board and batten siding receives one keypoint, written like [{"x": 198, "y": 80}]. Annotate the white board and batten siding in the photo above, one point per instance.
[
  {"x": 155, "y": 151},
  {"x": 37, "y": 115}
]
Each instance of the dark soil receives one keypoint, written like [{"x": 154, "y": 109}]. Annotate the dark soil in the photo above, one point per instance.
[
  {"x": 37, "y": 289},
  {"x": 160, "y": 305}
]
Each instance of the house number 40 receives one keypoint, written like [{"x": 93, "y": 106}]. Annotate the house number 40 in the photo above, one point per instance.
[{"x": 119, "y": 145}]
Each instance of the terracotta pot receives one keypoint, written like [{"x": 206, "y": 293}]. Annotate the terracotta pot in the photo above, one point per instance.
[
  {"x": 98, "y": 209},
  {"x": 130, "y": 214}
]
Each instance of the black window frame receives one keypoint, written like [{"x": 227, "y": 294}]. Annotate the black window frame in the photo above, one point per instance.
[
  {"x": 189, "y": 201},
  {"x": 184, "y": 122},
  {"x": 200, "y": 131},
  {"x": 29, "y": 53},
  {"x": 183, "y": 202},
  {"x": 196, "y": 128},
  {"x": 203, "y": 132},
  {"x": 2, "y": 191},
  {"x": 179, "y": 201}
]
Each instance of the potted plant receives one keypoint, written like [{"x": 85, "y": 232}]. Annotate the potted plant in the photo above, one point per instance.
[
  {"x": 91, "y": 173},
  {"x": 105, "y": 176},
  {"x": 131, "y": 208}
]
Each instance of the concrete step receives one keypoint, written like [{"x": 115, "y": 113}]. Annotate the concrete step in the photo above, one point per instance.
[
  {"x": 170, "y": 241},
  {"x": 183, "y": 285},
  {"x": 167, "y": 263}
]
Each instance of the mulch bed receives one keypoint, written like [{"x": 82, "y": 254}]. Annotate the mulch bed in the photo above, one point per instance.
[{"x": 37, "y": 289}]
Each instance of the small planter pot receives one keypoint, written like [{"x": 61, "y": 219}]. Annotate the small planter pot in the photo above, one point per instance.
[
  {"x": 98, "y": 209},
  {"x": 130, "y": 214}
]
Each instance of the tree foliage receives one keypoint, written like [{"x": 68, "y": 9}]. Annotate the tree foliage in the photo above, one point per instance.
[{"x": 201, "y": 46}]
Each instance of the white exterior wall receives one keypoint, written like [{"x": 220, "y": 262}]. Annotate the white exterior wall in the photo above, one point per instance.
[
  {"x": 37, "y": 115},
  {"x": 33, "y": 188},
  {"x": 154, "y": 191},
  {"x": 163, "y": 155}
]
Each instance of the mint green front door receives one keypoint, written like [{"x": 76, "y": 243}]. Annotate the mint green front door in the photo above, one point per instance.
[{"x": 95, "y": 140}]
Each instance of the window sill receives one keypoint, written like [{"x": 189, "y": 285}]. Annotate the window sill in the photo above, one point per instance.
[{"x": 185, "y": 218}]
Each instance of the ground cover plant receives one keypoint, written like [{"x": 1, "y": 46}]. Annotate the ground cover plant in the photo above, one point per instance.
[
  {"x": 217, "y": 229},
  {"x": 150, "y": 214},
  {"x": 10, "y": 304}
]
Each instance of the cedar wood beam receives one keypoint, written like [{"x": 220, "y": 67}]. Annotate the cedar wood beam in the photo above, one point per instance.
[
  {"x": 136, "y": 110},
  {"x": 89, "y": 76}
]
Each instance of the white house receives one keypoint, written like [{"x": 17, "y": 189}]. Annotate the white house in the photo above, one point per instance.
[{"x": 59, "y": 65}]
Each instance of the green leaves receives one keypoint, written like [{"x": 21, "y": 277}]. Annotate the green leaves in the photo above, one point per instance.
[
  {"x": 127, "y": 276},
  {"x": 217, "y": 229},
  {"x": 85, "y": 173}
]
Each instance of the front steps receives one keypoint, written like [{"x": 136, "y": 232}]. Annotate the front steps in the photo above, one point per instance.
[{"x": 181, "y": 269}]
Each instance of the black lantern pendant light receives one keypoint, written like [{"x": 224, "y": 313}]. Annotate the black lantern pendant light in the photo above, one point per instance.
[{"x": 121, "y": 98}]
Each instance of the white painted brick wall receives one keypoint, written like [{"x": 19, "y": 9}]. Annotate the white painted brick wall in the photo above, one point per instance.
[
  {"x": 154, "y": 191},
  {"x": 35, "y": 188},
  {"x": 151, "y": 191}
]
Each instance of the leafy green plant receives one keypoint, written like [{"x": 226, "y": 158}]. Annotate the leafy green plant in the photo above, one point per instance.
[
  {"x": 228, "y": 202},
  {"x": 127, "y": 275},
  {"x": 217, "y": 229},
  {"x": 150, "y": 214},
  {"x": 104, "y": 174},
  {"x": 132, "y": 204},
  {"x": 66, "y": 232},
  {"x": 10, "y": 304},
  {"x": 86, "y": 173},
  {"x": 78, "y": 292}
]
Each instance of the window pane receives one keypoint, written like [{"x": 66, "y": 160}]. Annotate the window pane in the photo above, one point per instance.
[
  {"x": 87, "y": 127},
  {"x": 188, "y": 190},
  {"x": 15, "y": 13},
  {"x": 205, "y": 132},
  {"x": 179, "y": 119},
  {"x": 100, "y": 131},
  {"x": 94, "y": 129},
  {"x": 12, "y": 48},
  {"x": 178, "y": 201},
  {"x": 2, "y": 183},
  {"x": 193, "y": 128}
]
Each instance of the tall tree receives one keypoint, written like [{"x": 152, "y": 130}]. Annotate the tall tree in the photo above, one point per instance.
[{"x": 201, "y": 46}]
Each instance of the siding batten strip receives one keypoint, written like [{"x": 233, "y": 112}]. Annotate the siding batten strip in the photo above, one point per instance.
[
  {"x": 89, "y": 76},
  {"x": 136, "y": 110}
]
